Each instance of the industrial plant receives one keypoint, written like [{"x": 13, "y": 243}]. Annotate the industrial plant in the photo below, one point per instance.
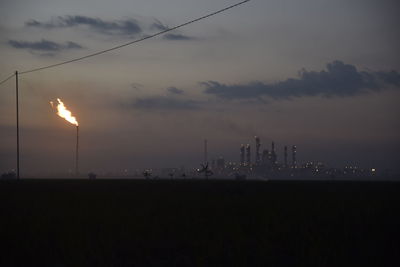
[{"x": 267, "y": 164}]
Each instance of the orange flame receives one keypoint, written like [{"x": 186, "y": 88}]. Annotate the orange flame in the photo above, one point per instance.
[{"x": 63, "y": 112}]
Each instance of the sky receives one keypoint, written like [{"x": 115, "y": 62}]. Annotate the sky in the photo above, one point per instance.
[{"x": 321, "y": 75}]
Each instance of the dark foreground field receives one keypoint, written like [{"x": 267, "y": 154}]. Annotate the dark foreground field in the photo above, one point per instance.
[{"x": 198, "y": 223}]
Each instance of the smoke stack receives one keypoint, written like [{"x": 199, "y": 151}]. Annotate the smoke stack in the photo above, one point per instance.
[
  {"x": 273, "y": 154},
  {"x": 242, "y": 155},
  {"x": 258, "y": 145},
  {"x": 64, "y": 113},
  {"x": 294, "y": 162},
  {"x": 248, "y": 155}
]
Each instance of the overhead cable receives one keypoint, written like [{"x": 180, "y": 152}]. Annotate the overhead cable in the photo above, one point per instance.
[
  {"x": 6, "y": 79},
  {"x": 135, "y": 41}
]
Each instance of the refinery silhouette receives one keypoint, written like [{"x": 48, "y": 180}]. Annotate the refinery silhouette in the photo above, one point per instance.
[{"x": 268, "y": 164}]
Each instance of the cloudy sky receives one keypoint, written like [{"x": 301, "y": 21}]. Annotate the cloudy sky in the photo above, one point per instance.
[{"x": 323, "y": 75}]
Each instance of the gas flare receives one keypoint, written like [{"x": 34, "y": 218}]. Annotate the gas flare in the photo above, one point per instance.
[{"x": 63, "y": 112}]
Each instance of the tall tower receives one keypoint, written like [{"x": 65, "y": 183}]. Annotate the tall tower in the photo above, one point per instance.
[
  {"x": 248, "y": 155},
  {"x": 241, "y": 155},
  {"x": 258, "y": 145},
  {"x": 294, "y": 162},
  {"x": 285, "y": 157},
  {"x": 273, "y": 154}
]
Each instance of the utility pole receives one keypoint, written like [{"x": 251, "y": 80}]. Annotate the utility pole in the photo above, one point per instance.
[{"x": 16, "y": 94}]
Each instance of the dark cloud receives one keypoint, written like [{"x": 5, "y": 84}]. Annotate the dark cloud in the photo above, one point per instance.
[
  {"x": 177, "y": 37},
  {"x": 391, "y": 77},
  {"x": 118, "y": 27},
  {"x": 159, "y": 26},
  {"x": 165, "y": 103},
  {"x": 73, "y": 45},
  {"x": 338, "y": 80},
  {"x": 44, "y": 45},
  {"x": 174, "y": 90},
  {"x": 128, "y": 27}
]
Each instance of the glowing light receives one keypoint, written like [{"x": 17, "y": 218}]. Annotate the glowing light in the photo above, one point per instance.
[
  {"x": 373, "y": 170},
  {"x": 64, "y": 113}
]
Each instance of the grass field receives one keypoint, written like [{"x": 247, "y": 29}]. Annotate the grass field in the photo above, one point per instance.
[{"x": 198, "y": 223}]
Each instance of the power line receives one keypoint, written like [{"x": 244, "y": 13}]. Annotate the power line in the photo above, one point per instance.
[
  {"x": 135, "y": 41},
  {"x": 6, "y": 79},
  {"x": 99, "y": 53}
]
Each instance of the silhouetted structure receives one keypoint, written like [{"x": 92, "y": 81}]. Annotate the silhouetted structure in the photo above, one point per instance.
[
  {"x": 207, "y": 172},
  {"x": 258, "y": 145},
  {"x": 248, "y": 155},
  {"x": 273, "y": 155},
  {"x": 241, "y": 155},
  {"x": 294, "y": 162},
  {"x": 266, "y": 166},
  {"x": 147, "y": 174}
]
